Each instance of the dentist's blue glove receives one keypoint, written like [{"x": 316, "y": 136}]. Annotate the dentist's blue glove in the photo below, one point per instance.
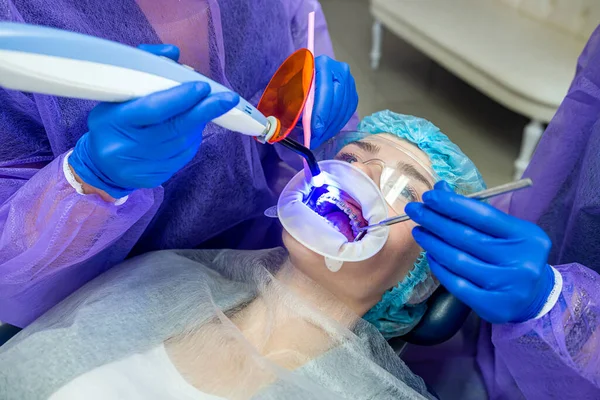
[
  {"x": 143, "y": 142},
  {"x": 165, "y": 50},
  {"x": 493, "y": 262},
  {"x": 336, "y": 99}
]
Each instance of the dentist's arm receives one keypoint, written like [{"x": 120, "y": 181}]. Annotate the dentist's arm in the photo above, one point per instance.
[
  {"x": 59, "y": 225},
  {"x": 546, "y": 319}
]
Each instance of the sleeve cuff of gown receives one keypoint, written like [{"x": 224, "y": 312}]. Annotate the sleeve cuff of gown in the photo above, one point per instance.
[
  {"x": 76, "y": 185},
  {"x": 554, "y": 294}
]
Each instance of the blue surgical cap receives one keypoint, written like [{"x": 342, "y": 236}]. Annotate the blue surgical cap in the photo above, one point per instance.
[{"x": 393, "y": 316}]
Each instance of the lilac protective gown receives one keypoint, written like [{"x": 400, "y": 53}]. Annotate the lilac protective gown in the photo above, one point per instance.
[
  {"x": 53, "y": 240},
  {"x": 557, "y": 356}
]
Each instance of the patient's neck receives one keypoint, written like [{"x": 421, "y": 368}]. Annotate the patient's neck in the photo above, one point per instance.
[
  {"x": 295, "y": 313},
  {"x": 337, "y": 285},
  {"x": 316, "y": 296}
]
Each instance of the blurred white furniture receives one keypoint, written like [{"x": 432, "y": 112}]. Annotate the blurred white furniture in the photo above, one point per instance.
[{"x": 521, "y": 53}]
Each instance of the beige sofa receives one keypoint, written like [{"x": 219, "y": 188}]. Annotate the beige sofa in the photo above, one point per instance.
[{"x": 521, "y": 53}]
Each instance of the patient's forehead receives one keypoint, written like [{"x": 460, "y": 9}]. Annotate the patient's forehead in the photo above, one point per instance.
[{"x": 404, "y": 144}]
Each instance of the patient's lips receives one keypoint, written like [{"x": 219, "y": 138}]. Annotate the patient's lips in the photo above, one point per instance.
[{"x": 342, "y": 211}]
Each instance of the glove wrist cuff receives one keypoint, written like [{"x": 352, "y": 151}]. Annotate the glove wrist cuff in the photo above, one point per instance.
[
  {"x": 554, "y": 294},
  {"x": 546, "y": 289},
  {"x": 80, "y": 162}
]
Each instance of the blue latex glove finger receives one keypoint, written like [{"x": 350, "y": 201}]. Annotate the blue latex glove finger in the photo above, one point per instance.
[
  {"x": 353, "y": 99},
  {"x": 345, "y": 101},
  {"x": 142, "y": 143},
  {"x": 336, "y": 99},
  {"x": 443, "y": 186},
  {"x": 208, "y": 108},
  {"x": 324, "y": 96},
  {"x": 165, "y": 50},
  {"x": 161, "y": 106},
  {"x": 186, "y": 125},
  {"x": 342, "y": 96},
  {"x": 482, "y": 274},
  {"x": 336, "y": 115},
  {"x": 505, "y": 256},
  {"x": 462, "y": 288},
  {"x": 457, "y": 234},
  {"x": 475, "y": 213},
  {"x": 476, "y": 298}
]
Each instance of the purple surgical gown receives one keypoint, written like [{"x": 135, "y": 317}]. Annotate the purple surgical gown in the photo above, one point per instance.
[
  {"x": 53, "y": 240},
  {"x": 557, "y": 356}
]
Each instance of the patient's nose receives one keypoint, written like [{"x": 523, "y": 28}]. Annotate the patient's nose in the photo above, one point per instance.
[{"x": 373, "y": 171}]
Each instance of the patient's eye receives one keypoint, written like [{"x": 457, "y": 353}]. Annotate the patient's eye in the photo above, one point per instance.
[
  {"x": 347, "y": 157},
  {"x": 407, "y": 195},
  {"x": 410, "y": 193}
]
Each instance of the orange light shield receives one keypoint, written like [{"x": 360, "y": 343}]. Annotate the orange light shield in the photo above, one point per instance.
[{"x": 287, "y": 92}]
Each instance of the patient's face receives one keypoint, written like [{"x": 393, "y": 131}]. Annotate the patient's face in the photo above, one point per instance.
[{"x": 362, "y": 284}]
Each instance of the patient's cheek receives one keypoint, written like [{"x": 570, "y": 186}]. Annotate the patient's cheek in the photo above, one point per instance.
[{"x": 401, "y": 240}]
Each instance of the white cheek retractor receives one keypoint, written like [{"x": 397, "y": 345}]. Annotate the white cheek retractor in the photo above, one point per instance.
[{"x": 316, "y": 233}]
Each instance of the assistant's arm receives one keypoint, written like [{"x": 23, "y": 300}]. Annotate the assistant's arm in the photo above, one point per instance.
[{"x": 558, "y": 355}]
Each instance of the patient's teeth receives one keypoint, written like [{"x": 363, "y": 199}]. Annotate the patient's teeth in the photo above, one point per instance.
[{"x": 323, "y": 204}]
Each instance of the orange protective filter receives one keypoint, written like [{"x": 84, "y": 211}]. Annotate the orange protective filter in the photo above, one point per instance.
[{"x": 286, "y": 94}]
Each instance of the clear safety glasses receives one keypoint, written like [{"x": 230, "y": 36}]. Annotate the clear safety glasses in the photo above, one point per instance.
[{"x": 402, "y": 175}]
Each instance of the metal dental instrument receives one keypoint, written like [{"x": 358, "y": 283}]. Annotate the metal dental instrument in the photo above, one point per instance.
[{"x": 482, "y": 195}]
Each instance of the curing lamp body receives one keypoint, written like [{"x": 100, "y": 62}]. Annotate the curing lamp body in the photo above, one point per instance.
[{"x": 55, "y": 62}]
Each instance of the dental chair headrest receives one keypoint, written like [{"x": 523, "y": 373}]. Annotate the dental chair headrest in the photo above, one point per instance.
[{"x": 444, "y": 317}]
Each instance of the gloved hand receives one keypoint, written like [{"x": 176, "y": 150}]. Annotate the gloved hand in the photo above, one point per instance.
[
  {"x": 336, "y": 99},
  {"x": 143, "y": 142},
  {"x": 165, "y": 50},
  {"x": 493, "y": 262}
]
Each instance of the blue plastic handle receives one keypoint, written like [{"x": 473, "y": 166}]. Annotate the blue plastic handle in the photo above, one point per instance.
[{"x": 59, "y": 43}]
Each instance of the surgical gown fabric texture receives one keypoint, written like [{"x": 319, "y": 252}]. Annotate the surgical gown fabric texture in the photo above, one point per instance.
[
  {"x": 54, "y": 240},
  {"x": 220, "y": 315},
  {"x": 557, "y": 356}
]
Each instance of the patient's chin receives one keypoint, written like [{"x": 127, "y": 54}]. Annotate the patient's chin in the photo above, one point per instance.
[{"x": 302, "y": 257}]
